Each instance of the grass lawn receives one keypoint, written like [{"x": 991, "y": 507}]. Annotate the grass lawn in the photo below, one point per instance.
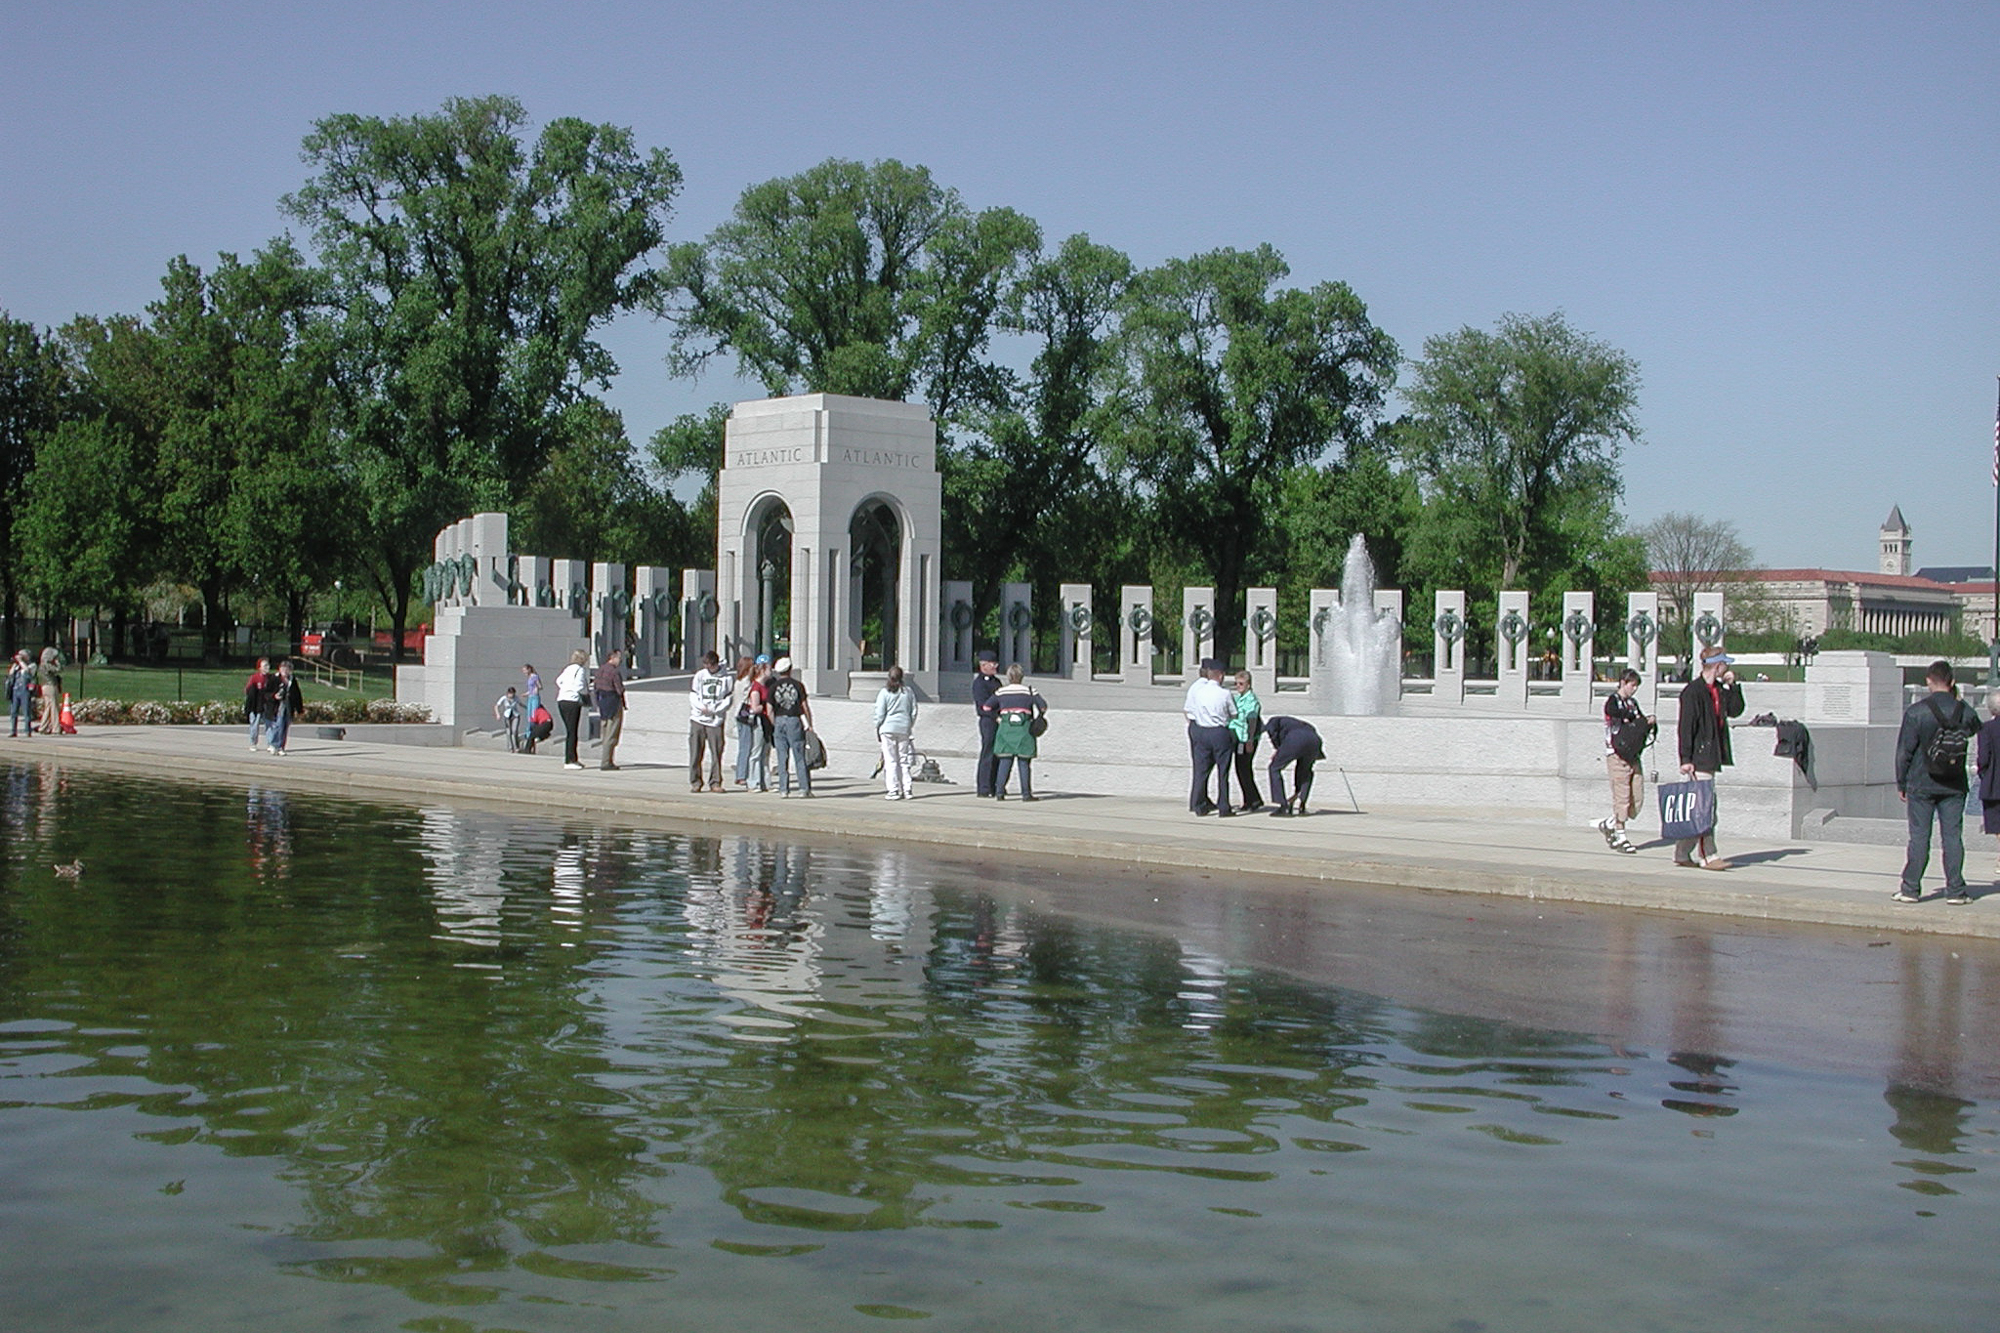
[{"x": 165, "y": 684}]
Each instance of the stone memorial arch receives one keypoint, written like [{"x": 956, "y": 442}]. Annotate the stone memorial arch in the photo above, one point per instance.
[{"x": 827, "y": 538}]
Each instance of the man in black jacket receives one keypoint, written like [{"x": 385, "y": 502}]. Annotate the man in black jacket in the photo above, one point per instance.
[
  {"x": 1930, "y": 775},
  {"x": 1707, "y": 703},
  {"x": 1295, "y": 743},
  {"x": 986, "y": 684}
]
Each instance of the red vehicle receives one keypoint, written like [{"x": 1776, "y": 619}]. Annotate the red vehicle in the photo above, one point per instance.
[{"x": 413, "y": 639}]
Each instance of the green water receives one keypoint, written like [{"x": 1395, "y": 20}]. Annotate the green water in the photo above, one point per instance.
[{"x": 285, "y": 1062}]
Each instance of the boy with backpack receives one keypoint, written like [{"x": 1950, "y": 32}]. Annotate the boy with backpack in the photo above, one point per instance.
[{"x": 1936, "y": 735}]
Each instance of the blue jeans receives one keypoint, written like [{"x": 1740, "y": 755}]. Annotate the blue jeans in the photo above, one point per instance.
[
  {"x": 749, "y": 750},
  {"x": 20, "y": 706},
  {"x": 1004, "y": 769},
  {"x": 1949, "y": 811},
  {"x": 281, "y": 728},
  {"x": 788, "y": 734},
  {"x": 256, "y": 728}
]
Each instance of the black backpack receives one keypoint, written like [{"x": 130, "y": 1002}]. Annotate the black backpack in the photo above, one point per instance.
[{"x": 1944, "y": 755}]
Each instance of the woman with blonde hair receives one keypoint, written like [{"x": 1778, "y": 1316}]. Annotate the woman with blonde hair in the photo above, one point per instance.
[{"x": 571, "y": 683}]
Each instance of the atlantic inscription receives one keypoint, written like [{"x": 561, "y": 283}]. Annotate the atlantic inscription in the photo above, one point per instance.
[{"x": 849, "y": 454}]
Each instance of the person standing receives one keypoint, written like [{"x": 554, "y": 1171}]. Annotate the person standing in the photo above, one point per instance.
[
  {"x": 1931, "y": 747},
  {"x": 1627, "y": 732},
  {"x": 571, "y": 682},
  {"x": 1209, "y": 708},
  {"x": 507, "y": 712},
  {"x": 20, "y": 695},
  {"x": 1707, "y": 703},
  {"x": 746, "y": 721},
  {"x": 708, "y": 711},
  {"x": 1016, "y": 710},
  {"x": 255, "y": 691},
  {"x": 284, "y": 705},
  {"x": 1297, "y": 743},
  {"x": 608, "y": 691},
  {"x": 1246, "y": 729},
  {"x": 49, "y": 675},
  {"x": 790, "y": 716},
  {"x": 1988, "y": 760},
  {"x": 985, "y": 684},
  {"x": 895, "y": 725},
  {"x": 531, "y": 702}
]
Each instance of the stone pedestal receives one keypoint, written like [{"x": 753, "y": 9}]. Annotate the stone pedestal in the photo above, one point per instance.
[
  {"x": 956, "y": 623},
  {"x": 1077, "y": 629},
  {"x": 1708, "y": 629},
  {"x": 1389, "y": 609},
  {"x": 571, "y": 579},
  {"x": 1260, "y": 640},
  {"x": 1578, "y": 638},
  {"x": 1448, "y": 629},
  {"x": 1017, "y": 626},
  {"x": 1854, "y": 687},
  {"x": 1135, "y": 634},
  {"x": 1319, "y": 659},
  {"x": 700, "y": 609},
  {"x": 1197, "y": 629},
  {"x": 1514, "y": 644},
  {"x": 654, "y": 610},
  {"x": 610, "y": 610},
  {"x": 1642, "y": 646}
]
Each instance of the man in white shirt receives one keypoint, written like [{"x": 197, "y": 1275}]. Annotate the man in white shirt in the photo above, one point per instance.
[
  {"x": 1209, "y": 708},
  {"x": 708, "y": 709}
]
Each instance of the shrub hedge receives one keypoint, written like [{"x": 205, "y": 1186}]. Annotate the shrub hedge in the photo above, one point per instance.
[{"x": 217, "y": 713}]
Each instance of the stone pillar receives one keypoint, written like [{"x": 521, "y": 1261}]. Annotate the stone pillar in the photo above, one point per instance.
[
  {"x": 1514, "y": 654},
  {"x": 486, "y": 544},
  {"x": 1577, "y": 636},
  {"x": 1197, "y": 628},
  {"x": 1389, "y": 605},
  {"x": 532, "y": 573},
  {"x": 955, "y": 655},
  {"x": 1708, "y": 629},
  {"x": 1017, "y": 626},
  {"x": 1856, "y": 687},
  {"x": 610, "y": 609},
  {"x": 1260, "y": 640},
  {"x": 1448, "y": 647},
  {"x": 1078, "y": 629},
  {"x": 653, "y": 611},
  {"x": 571, "y": 580},
  {"x": 1135, "y": 634},
  {"x": 1642, "y": 646},
  {"x": 1319, "y": 660},
  {"x": 700, "y": 616}
]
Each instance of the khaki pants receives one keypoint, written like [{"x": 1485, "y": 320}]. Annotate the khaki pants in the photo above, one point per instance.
[{"x": 1628, "y": 789}]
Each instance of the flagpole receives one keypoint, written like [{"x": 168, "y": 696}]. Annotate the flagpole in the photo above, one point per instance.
[{"x": 1993, "y": 642}]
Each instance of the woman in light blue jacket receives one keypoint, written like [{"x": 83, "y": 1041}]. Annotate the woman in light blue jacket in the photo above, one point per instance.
[{"x": 895, "y": 722}]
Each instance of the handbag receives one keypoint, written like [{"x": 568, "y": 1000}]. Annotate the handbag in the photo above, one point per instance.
[
  {"x": 1687, "y": 809},
  {"x": 815, "y": 752}
]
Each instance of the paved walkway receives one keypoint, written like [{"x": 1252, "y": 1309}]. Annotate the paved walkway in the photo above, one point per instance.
[{"x": 1833, "y": 883}]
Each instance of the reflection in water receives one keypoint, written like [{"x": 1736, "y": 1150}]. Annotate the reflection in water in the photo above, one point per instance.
[{"x": 578, "y": 1076}]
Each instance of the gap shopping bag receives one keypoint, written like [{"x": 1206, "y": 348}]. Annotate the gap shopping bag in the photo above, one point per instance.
[{"x": 1687, "y": 809}]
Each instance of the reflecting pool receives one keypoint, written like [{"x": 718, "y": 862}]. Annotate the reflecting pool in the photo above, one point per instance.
[{"x": 285, "y": 1062}]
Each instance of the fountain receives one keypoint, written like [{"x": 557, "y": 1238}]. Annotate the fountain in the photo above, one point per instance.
[{"x": 1360, "y": 645}]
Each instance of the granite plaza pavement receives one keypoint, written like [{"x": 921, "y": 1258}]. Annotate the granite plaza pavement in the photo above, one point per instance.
[{"x": 1816, "y": 882}]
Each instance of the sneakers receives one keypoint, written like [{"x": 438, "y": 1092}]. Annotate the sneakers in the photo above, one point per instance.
[
  {"x": 578, "y": 767},
  {"x": 1958, "y": 897},
  {"x": 1904, "y": 896},
  {"x": 893, "y": 796}
]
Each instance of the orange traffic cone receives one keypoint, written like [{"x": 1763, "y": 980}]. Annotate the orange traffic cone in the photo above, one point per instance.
[{"x": 67, "y": 718}]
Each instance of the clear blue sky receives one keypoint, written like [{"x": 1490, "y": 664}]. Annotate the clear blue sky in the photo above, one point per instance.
[{"x": 1785, "y": 212}]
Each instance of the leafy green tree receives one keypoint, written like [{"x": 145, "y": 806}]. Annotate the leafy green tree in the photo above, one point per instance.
[
  {"x": 851, "y": 278},
  {"x": 1515, "y": 438},
  {"x": 592, "y": 502},
  {"x": 471, "y": 272},
  {"x": 691, "y": 445},
  {"x": 79, "y": 532},
  {"x": 34, "y": 385},
  {"x": 1029, "y": 490},
  {"x": 1230, "y": 382}
]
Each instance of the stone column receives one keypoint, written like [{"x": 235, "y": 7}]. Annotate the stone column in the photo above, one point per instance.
[
  {"x": 1708, "y": 629},
  {"x": 1017, "y": 626},
  {"x": 571, "y": 581},
  {"x": 486, "y": 543},
  {"x": 1642, "y": 646},
  {"x": 1578, "y": 636},
  {"x": 1260, "y": 640},
  {"x": 610, "y": 609},
  {"x": 1197, "y": 628},
  {"x": 1389, "y": 605},
  {"x": 955, "y": 624},
  {"x": 700, "y": 613},
  {"x": 1511, "y": 617},
  {"x": 1135, "y": 634},
  {"x": 653, "y": 611},
  {"x": 1319, "y": 660},
  {"x": 1448, "y": 647},
  {"x": 1078, "y": 628},
  {"x": 532, "y": 573}
]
